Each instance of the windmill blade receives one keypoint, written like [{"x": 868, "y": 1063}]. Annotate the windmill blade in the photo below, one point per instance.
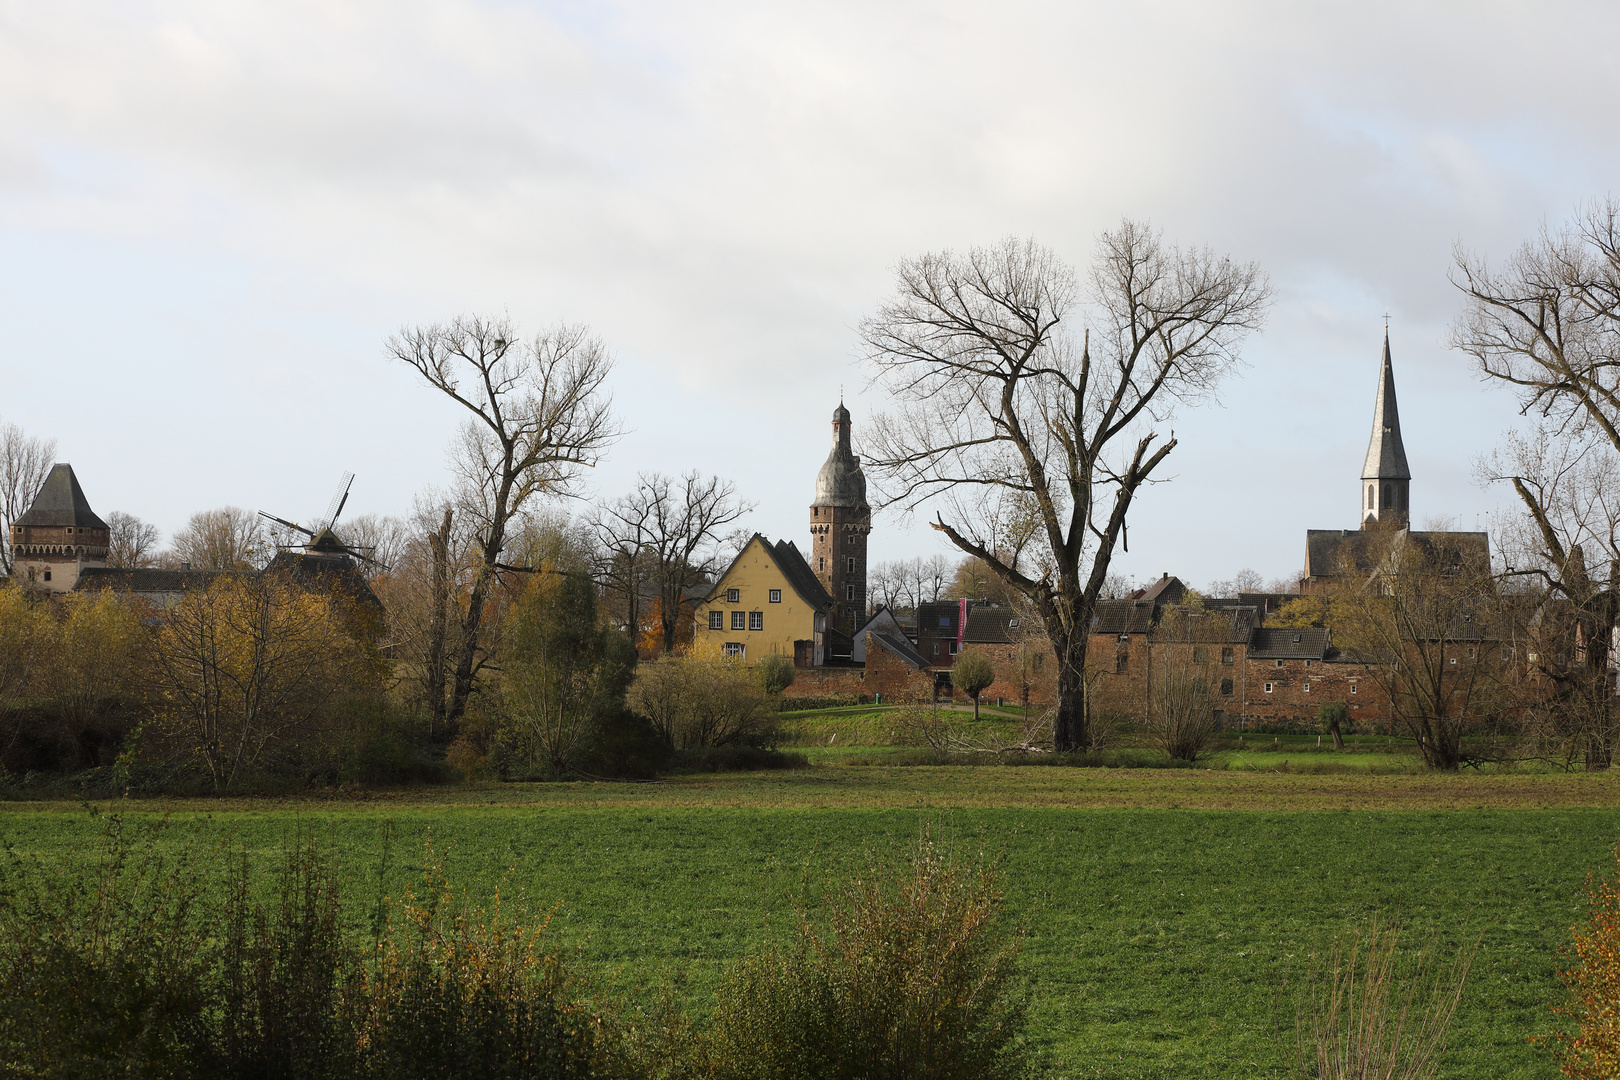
[
  {"x": 335, "y": 507},
  {"x": 284, "y": 521}
]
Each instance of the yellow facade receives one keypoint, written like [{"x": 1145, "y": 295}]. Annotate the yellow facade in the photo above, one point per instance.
[{"x": 759, "y": 610}]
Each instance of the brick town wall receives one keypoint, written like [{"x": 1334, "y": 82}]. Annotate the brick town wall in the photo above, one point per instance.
[
  {"x": 1298, "y": 691},
  {"x": 825, "y": 681},
  {"x": 1011, "y": 680}
]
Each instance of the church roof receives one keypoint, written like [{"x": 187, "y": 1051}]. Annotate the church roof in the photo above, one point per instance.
[
  {"x": 61, "y": 503},
  {"x": 1386, "y": 456},
  {"x": 1329, "y": 552},
  {"x": 840, "y": 481}
]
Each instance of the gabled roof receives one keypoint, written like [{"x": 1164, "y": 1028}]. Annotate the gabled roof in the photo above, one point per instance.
[
  {"x": 1167, "y": 590},
  {"x": 899, "y": 646},
  {"x": 1330, "y": 552},
  {"x": 988, "y": 624},
  {"x": 61, "y": 503},
  {"x": 785, "y": 556},
  {"x": 1123, "y": 617},
  {"x": 1209, "y": 626},
  {"x": 1289, "y": 643}
]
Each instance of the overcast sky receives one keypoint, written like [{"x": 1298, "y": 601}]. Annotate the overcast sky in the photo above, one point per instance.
[{"x": 212, "y": 215}]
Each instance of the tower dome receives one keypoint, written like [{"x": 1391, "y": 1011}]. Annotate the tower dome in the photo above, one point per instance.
[{"x": 840, "y": 481}]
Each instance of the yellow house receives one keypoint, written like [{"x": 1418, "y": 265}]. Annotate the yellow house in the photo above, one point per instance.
[{"x": 768, "y": 601}]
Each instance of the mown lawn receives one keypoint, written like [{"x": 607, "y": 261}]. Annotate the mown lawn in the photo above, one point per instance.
[{"x": 1169, "y": 913}]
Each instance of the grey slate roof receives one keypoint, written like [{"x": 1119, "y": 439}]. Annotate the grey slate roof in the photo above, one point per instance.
[
  {"x": 146, "y": 580},
  {"x": 1122, "y": 617},
  {"x": 1211, "y": 626},
  {"x": 1289, "y": 643},
  {"x": 988, "y": 625},
  {"x": 899, "y": 646},
  {"x": 798, "y": 572},
  {"x": 1329, "y": 552},
  {"x": 1386, "y": 456},
  {"x": 61, "y": 503}
]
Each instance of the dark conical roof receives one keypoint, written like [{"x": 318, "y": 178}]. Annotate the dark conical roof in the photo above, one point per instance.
[
  {"x": 1386, "y": 456},
  {"x": 840, "y": 414},
  {"x": 61, "y": 503}
]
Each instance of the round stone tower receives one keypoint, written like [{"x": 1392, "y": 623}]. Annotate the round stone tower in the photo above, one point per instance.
[{"x": 840, "y": 520}]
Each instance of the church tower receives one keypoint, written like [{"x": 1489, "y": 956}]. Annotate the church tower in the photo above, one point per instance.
[
  {"x": 840, "y": 520},
  {"x": 1385, "y": 479}
]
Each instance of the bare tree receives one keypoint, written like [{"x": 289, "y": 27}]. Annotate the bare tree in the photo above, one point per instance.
[
  {"x": 383, "y": 537},
  {"x": 132, "y": 543},
  {"x": 1547, "y": 323},
  {"x": 1002, "y": 409},
  {"x": 25, "y": 462},
  {"x": 671, "y": 530},
  {"x": 1243, "y": 581},
  {"x": 229, "y": 538},
  {"x": 539, "y": 416}
]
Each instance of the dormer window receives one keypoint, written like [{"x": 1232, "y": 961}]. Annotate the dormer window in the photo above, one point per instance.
[{"x": 1296, "y": 638}]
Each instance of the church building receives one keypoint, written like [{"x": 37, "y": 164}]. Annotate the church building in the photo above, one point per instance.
[{"x": 1384, "y": 498}]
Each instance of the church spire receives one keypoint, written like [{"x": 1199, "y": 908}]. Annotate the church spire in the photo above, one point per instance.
[{"x": 1385, "y": 478}]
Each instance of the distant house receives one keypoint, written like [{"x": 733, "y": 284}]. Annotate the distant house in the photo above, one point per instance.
[{"x": 769, "y": 601}]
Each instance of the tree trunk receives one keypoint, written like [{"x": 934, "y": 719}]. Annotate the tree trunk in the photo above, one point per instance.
[
  {"x": 438, "y": 622},
  {"x": 975, "y": 707},
  {"x": 1338, "y": 739},
  {"x": 1070, "y": 726}
]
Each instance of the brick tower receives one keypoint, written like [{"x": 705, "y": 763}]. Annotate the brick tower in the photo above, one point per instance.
[
  {"x": 840, "y": 520},
  {"x": 1385, "y": 479},
  {"x": 58, "y": 536}
]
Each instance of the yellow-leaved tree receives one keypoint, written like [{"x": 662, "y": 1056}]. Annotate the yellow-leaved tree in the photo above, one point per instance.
[{"x": 247, "y": 665}]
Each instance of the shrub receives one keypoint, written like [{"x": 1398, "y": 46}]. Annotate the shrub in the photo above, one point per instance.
[
  {"x": 702, "y": 699},
  {"x": 106, "y": 974},
  {"x": 776, "y": 673},
  {"x": 911, "y": 978},
  {"x": 1376, "y": 1012},
  {"x": 972, "y": 673},
  {"x": 1182, "y": 719},
  {"x": 1592, "y": 1050}
]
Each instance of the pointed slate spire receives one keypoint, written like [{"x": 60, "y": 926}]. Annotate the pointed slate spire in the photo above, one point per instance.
[
  {"x": 1385, "y": 476},
  {"x": 61, "y": 503}
]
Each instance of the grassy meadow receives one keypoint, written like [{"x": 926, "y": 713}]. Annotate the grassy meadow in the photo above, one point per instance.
[{"x": 1169, "y": 913}]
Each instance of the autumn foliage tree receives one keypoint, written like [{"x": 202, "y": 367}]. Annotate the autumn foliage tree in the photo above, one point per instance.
[
  {"x": 1591, "y": 1051},
  {"x": 246, "y": 665}
]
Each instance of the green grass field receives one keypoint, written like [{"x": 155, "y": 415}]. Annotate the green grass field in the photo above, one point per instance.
[{"x": 1169, "y": 912}]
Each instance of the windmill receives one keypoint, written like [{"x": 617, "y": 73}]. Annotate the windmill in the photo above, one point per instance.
[{"x": 323, "y": 540}]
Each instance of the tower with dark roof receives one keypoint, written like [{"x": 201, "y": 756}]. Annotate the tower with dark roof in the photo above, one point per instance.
[
  {"x": 59, "y": 535},
  {"x": 1385, "y": 479},
  {"x": 840, "y": 520}
]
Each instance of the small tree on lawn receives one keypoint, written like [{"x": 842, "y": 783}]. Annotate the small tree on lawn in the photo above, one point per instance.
[{"x": 972, "y": 674}]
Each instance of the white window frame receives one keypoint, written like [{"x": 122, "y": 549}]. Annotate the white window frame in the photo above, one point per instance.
[
  {"x": 1305, "y": 687},
  {"x": 776, "y": 596},
  {"x": 1269, "y": 686},
  {"x": 733, "y": 596},
  {"x": 736, "y": 648},
  {"x": 717, "y": 620},
  {"x": 739, "y": 620},
  {"x": 756, "y": 620}
]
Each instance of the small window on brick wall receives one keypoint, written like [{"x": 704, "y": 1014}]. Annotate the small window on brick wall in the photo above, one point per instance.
[
  {"x": 1226, "y": 687},
  {"x": 1122, "y": 662},
  {"x": 1226, "y": 655},
  {"x": 1200, "y": 654},
  {"x": 1268, "y": 687}
]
